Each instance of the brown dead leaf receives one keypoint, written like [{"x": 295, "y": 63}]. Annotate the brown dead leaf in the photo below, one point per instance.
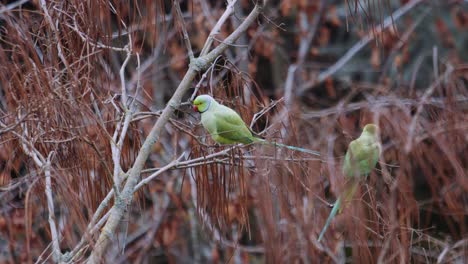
[
  {"x": 331, "y": 91},
  {"x": 169, "y": 234},
  {"x": 3, "y": 223},
  {"x": 288, "y": 6},
  {"x": 5, "y": 152},
  {"x": 265, "y": 47},
  {"x": 5, "y": 178},
  {"x": 215, "y": 257},
  {"x": 173, "y": 194},
  {"x": 375, "y": 60},
  {"x": 303, "y": 4},
  {"x": 178, "y": 61},
  {"x": 333, "y": 17},
  {"x": 397, "y": 61},
  {"x": 186, "y": 192},
  {"x": 245, "y": 4},
  {"x": 324, "y": 36},
  {"x": 233, "y": 213},
  {"x": 314, "y": 51},
  {"x": 460, "y": 17},
  {"x": 253, "y": 67},
  {"x": 444, "y": 33}
]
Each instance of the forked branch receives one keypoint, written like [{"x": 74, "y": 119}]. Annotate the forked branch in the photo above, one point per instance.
[{"x": 124, "y": 200}]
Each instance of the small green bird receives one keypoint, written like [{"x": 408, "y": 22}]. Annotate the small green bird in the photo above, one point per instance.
[
  {"x": 227, "y": 127},
  {"x": 360, "y": 159}
]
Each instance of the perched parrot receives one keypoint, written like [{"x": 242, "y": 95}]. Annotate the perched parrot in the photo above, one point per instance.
[
  {"x": 360, "y": 159},
  {"x": 227, "y": 127}
]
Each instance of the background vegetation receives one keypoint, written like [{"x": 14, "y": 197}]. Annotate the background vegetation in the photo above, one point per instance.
[{"x": 87, "y": 95}]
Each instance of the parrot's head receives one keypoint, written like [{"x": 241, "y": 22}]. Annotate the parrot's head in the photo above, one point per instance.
[
  {"x": 371, "y": 129},
  {"x": 202, "y": 103}
]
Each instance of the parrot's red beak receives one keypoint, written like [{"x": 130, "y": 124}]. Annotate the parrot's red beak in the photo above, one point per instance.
[{"x": 195, "y": 108}]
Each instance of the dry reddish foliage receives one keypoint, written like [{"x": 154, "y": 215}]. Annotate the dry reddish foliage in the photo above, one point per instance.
[{"x": 60, "y": 92}]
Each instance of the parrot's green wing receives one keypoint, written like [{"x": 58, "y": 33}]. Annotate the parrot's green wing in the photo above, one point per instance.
[
  {"x": 350, "y": 164},
  {"x": 230, "y": 127},
  {"x": 361, "y": 157}
]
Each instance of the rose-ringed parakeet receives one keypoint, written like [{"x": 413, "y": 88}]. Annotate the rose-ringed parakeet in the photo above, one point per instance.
[
  {"x": 360, "y": 159},
  {"x": 227, "y": 127}
]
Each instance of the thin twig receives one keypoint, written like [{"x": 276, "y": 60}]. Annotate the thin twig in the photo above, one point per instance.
[
  {"x": 207, "y": 12},
  {"x": 89, "y": 41},
  {"x": 122, "y": 79},
  {"x": 118, "y": 210},
  {"x": 264, "y": 111},
  {"x": 217, "y": 28},
  {"x": 380, "y": 101},
  {"x": 169, "y": 166},
  {"x": 197, "y": 87},
  {"x": 423, "y": 101},
  {"x": 289, "y": 85},
  {"x": 61, "y": 55},
  {"x": 188, "y": 45},
  {"x": 50, "y": 206},
  {"x": 104, "y": 203},
  {"x": 204, "y": 61},
  {"x": 305, "y": 43},
  {"x": 12, "y": 6},
  {"x": 45, "y": 164},
  {"x": 358, "y": 46},
  {"x": 121, "y": 128}
]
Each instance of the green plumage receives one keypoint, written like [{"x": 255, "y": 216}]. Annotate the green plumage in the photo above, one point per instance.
[
  {"x": 363, "y": 153},
  {"x": 360, "y": 159},
  {"x": 227, "y": 127}
]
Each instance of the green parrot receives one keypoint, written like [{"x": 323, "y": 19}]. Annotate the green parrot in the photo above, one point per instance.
[
  {"x": 360, "y": 159},
  {"x": 227, "y": 127}
]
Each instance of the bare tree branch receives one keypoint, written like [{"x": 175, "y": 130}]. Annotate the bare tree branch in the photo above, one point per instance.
[
  {"x": 216, "y": 29},
  {"x": 184, "y": 29},
  {"x": 50, "y": 205},
  {"x": 126, "y": 197},
  {"x": 12, "y": 6},
  {"x": 45, "y": 164},
  {"x": 424, "y": 99},
  {"x": 358, "y": 46}
]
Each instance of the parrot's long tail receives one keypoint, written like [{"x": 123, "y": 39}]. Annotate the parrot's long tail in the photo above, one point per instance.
[
  {"x": 333, "y": 212},
  {"x": 348, "y": 193},
  {"x": 312, "y": 152},
  {"x": 342, "y": 201}
]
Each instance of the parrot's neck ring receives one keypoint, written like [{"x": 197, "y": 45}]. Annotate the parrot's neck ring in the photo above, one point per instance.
[{"x": 206, "y": 109}]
